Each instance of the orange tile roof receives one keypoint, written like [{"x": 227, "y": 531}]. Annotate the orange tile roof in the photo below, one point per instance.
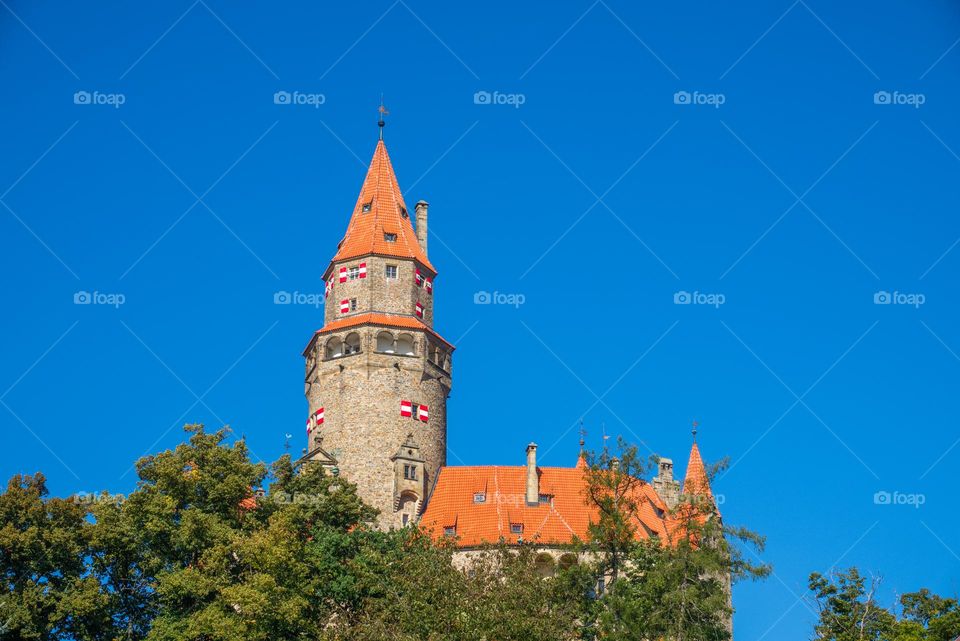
[
  {"x": 696, "y": 482},
  {"x": 558, "y": 522},
  {"x": 374, "y": 318},
  {"x": 388, "y": 214}
]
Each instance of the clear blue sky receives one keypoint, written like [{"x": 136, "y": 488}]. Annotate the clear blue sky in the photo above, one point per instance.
[{"x": 797, "y": 199}]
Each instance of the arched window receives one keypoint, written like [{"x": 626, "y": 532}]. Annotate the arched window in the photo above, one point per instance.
[
  {"x": 567, "y": 561},
  {"x": 334, "y": 347},
  {"x": 385, "y": 342},
  {"x": 405, "y": 344},
  {"x": 545, "y": 565},
  {"x": 352, "y": 344}
]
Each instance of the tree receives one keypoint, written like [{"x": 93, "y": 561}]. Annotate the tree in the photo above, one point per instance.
[
  {"x": 849, "y": 611},
  {"x": 47, "y": 591},
  {"x": 674, "y": 586}
]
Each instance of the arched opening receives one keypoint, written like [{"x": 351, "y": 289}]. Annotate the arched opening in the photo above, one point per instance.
[
  {"x": 567, "y": 561},
  {"x": 352, "y": 344},
  {"x": 385, "y": 343},
  {"x": 407, "y": 508},
  {"x": 545, "y": 565},
  {"x": 334, "y": 347},
  {"x": 405, "y": 344}
]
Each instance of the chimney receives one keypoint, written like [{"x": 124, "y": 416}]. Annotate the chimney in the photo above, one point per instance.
[
  {"x": 422, "y": 224},
  {"x": 533, "y": 481}
]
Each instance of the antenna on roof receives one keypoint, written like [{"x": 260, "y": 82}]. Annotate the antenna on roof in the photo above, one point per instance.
[
  {"x": 383, "y": 112},
  {"x": 694, "y": 431}
]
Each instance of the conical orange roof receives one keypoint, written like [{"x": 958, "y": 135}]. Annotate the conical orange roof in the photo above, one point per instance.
[
  {"x": 696, "y": 482},
  {"x": 380, "y": 211}
]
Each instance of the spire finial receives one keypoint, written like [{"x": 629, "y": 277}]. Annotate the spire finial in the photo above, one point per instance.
[
  {"x": 694, "y": 431},
  {"x": 383, "y": 112},
  {"x": 583, "y": 434}
]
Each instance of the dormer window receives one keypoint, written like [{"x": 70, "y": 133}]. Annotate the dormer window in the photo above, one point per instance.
[
  {"x": 479, "y": 497},
  {"x": 390, "y": 238},
  {"x": 403, "y": 211},
  {"x": 367, "y": 207},
  {"x": 544, "y": 499},
  {"x": 450, "y": 530},
  {"x": 516, "y": 528}
]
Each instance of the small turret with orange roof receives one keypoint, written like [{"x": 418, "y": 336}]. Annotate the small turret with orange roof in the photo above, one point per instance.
[{"x": 696, "y": 482}]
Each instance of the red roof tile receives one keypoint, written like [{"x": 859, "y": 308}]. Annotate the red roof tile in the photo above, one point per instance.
[
  {"x": 387, "y": 214},
  {"x": 566, "y": 516}
]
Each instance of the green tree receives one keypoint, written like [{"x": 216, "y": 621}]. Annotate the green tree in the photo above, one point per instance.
[{"x": 675, "y": 586}]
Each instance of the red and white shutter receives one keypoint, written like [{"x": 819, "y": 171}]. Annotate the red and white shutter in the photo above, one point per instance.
[
  {"x": 310, "y": 424},
  {"x": 344, "y": 306},
  {"x": 406, "y": 408},
  {"x": 328, "y": 287},
  {"x": 318, "y": 417},
  {"x": 419, "y": 277},
  {"x": 363, "y": 270},
  {"x": 343, "y": 274},
  {"x": 429, "y": 286},
  {"x": 423, "y": 413},
  {"x": 419, "y": 309}
]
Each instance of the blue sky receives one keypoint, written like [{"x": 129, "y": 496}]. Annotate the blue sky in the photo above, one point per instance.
[{"x": 781, "y": 187}]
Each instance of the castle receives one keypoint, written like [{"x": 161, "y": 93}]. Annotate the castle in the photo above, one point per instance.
[{"x": 377, "y": 380}]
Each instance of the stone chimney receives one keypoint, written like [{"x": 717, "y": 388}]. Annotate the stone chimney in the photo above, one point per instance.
[
  {"x": 533, "y": 480},
  {"x": 666, "y": 487},
  {"x": 422, "y": 224}
]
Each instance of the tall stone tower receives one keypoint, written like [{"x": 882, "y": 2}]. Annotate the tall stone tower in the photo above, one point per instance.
[{"x": 377, "y": 375}]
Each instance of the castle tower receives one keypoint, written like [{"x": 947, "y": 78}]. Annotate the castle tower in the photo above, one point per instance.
[{"x": 377, "y": 375}]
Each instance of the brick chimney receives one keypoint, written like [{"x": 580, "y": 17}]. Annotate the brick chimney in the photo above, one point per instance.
[
  {"x": 533, "y": 480},
  {"x": 421, "y": 208}
]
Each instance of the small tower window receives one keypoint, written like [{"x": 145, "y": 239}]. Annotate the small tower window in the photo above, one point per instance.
[
  {"x": 403, "y": 211},
  {"x": 353, "y": 273},
  {"x": 367, "y": 206},
  {"x": 544, "y": 499},
  {"x": 410, "y": 472},
  {"x": 516, "y": 528},
  {"x": 391, "y": 272},
  {"x": 390, "y": 238},
  {"x": 353, "y": 304},
  {"x": 480, "y": 497}
]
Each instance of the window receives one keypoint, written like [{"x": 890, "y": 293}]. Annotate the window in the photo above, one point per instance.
[
  {"x": 516, "y": 528},
  {"x": 410, "y": 472},
  {"x": 544, "y": 499},
  {"x": 390, "y": 238},
  {"x": 353, "y": 304},
  {"x": 385, "y": 343},
  {"x": 406, "y": 519},
  {"x": 450, "y": 530},
  {"x": 367, "y": 206},
  {"x": 480, "y": 497},
  {"x": 403, "y": 211},
  {"x": 353, "y": 273},
  {"x": 391, "y": 272},
  {"x": 352, "y": 344}
]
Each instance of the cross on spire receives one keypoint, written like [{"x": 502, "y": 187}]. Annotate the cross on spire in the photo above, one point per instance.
[
  {"x": 383, "y": 112},
  {"x": 694, "y": 431}
]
